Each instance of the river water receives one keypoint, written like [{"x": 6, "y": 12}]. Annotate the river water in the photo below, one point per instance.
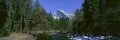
[{"x": 77, "y": 37}]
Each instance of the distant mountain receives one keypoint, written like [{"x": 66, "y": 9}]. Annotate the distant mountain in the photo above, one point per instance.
[{"x": 61, "y": 13}]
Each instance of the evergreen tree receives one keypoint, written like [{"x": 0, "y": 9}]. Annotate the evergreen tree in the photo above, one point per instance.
[
  {"x": 78, "y": 24},
  {"x": 3, "y": 17},
  {"x": 88, "y": 10},
  {"x": 3, "y": 13},
  {"x": 63, "y": 23},
  {"x": 112, "y": 14},
  {"x": 18, "y": 14},
  {"x": 40, "y": 18}
]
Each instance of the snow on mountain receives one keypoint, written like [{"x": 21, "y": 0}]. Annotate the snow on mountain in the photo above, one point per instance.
[{"x": 61, "y": 13}]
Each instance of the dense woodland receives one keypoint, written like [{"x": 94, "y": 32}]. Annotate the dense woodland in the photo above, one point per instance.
[{"x": 96, "y": 17}]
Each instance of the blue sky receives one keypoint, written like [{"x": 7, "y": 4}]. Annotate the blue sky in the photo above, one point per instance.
[{"x": 69, "y": 6}]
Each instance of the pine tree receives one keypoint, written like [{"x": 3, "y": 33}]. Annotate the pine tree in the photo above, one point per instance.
[
  {"x": 3, "y": 17},
  {"x": 78, "y": 22},
  {"x": 40, "y": 18},
  {"x": 88, "y": 11},
  {"x": 3, "y": 13},
  {"x": 112, "y": 14},
  {"x": 18, "y": 14}
]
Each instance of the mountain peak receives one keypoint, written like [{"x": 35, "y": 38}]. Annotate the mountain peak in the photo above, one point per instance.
[{"x": 61, "y": 13}]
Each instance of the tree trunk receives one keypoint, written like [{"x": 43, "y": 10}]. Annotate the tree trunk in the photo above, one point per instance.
[{"x": 21, "y": 24}]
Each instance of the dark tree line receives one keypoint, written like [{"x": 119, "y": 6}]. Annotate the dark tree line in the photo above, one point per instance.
[
  {"x": 22, "y": 16},
  {"x": 98, "y": 17},
  {"x": 3, "y": 16}
]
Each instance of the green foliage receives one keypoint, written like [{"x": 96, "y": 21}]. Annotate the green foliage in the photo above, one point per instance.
[
  {"x": 3, "y": 17},
  {"x": 3, "y": 13},
  {"x": 3, "y": 32},
  {"x": 78, "y": 23},
  {"x": 52, "y": 21},
  {"x": 62, "y": 23},
  {"x": 39, "y": 18},
  {"x": 100, "y": 17}
]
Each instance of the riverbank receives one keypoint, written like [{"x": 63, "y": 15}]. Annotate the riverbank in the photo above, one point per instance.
[
  {"x": 48, "y": 32},
  {"x": 18, "y": 36}
]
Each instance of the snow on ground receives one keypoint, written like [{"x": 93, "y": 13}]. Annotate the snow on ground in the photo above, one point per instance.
[{"x": 86, "y": 38}]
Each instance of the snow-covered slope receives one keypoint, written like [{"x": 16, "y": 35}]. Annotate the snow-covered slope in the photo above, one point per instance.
[{"x": 61, "y": 13}]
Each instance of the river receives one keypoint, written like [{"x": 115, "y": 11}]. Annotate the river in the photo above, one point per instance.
[{"x": 77, "y": 37}]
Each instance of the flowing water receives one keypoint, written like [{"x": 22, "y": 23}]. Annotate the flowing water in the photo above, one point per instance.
[{"x": 77, "y": 37}]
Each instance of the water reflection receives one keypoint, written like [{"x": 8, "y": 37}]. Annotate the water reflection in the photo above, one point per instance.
[{"x": 78, "y": 37}]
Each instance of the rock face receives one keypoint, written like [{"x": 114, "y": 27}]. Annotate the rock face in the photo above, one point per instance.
[
  {"x": 62, "y": 13},
  {"x": 18, "y": 36}
]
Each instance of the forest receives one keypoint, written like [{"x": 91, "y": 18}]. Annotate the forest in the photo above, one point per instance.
[{"x": 96, "y": 17}]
